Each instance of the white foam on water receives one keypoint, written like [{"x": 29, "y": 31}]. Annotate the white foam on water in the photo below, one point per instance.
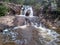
[
  {"x": 21, "y": 15},
  {"x": 6, "y": 30},
  {"x": 20, "y": 27}
]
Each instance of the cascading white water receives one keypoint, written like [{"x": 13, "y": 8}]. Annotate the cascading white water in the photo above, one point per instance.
[
  {"x": 25, "y": 9},
  {"x": 49, "y": 36}
]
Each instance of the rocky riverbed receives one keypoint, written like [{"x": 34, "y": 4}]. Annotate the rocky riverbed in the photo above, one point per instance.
[{"x": 28, "y": 29}]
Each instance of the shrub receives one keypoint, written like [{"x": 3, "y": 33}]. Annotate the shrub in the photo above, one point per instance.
[{"x": 3, "y": 10}]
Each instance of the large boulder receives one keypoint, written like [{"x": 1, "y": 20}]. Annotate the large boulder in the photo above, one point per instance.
[
  {"x": 6, "y": 21},
  {"x": 28, "y": 35}
]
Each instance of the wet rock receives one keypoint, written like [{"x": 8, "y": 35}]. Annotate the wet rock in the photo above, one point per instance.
[
  {"x": 19, "y": 21},
  {"x": 34, "y": 20},
  {"x": 25, "y": 35},
  {"x": 28, "y": 34},
  {"x": 22, "y": 20},
  {"x": 2, "y": 27}
]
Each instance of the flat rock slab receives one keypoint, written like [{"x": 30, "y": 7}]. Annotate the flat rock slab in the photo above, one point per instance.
[{"x": 6, "y": 21}]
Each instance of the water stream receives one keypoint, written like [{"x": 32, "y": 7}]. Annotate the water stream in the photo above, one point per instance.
[{"x": 49, "y": 37}]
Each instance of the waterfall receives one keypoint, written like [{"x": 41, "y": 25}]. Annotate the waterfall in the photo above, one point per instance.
[
  {"x": 44, "y": 32},
  {"x": 25, "y": 9}
]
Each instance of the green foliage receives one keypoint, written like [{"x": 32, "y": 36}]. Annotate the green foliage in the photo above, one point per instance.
[
  {"x": 3, "y": 10},
  {"x": 17, "y": 1},
  {"x": 20, "y": 1},
  {"x": 25, "y": 2},
  {"x": 37, "y": 6},
  {"x": 29, "y": 2},
  {"x": 6, "y": 0}
]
